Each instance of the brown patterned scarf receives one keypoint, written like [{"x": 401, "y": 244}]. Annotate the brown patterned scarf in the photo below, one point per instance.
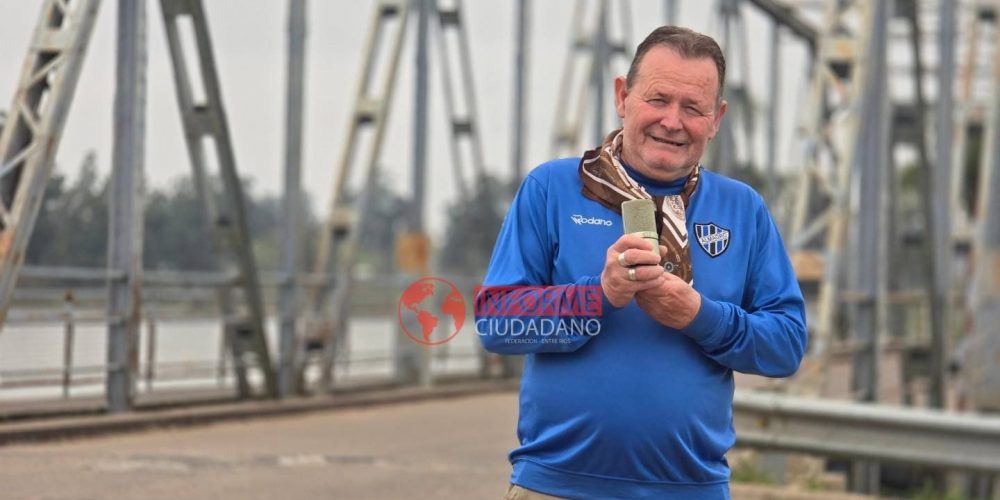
[{"x": 606, "y": 182}]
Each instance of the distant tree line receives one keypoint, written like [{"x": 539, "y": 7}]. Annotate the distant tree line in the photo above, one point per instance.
[
  {"x": 72, "y": 226},
  {"x": 472, "y": 228}
]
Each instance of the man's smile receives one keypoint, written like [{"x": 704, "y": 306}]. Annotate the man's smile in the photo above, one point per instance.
[{"x": 669, "y": 142}]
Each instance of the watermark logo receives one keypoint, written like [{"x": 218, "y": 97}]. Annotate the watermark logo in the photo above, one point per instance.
[
  {"x": 593, "y": 221},
  {"x": 431, "y": 311},
  {"x": 515, "y": 301},
  {"x": 538, "y": 330},
  {"x": 535, "y": 314}
]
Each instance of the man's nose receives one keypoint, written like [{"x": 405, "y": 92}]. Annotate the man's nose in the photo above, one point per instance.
[{"x": 671, "y": 119}]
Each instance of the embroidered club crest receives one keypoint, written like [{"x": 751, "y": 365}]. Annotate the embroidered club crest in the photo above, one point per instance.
[{"x": 713, "y": 239}]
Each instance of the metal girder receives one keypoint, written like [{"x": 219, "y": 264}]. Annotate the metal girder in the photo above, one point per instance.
[
  {"x": 870, "y": 261},
  {"x": 126, "y": 208},
  {"x": 292, "y": 201},
  {"x": 339, "y": 232},
  {"x": 206, "y": 121},
  {"x": 979, "y": 352},
  {"x": 740, "y": 124},
  {"x": 340, "y": 237},
  {"x": 411, "y": 362},
  {"x": 371, "y": 107},
  {"x": 836, "y": 89},
  {"x": 787, "y": 16},
  {"x": 867, "y": 432},
  {"x": 585, "y": 42},
  {"x": 33, "y": 128},
  {"x": 984, "y": 351},
  {"x": 670, "y": 11},
  {"x": 519, "y": 126},
  {"x": 980, "y": 39},
  {"x": 936, "y": 190},
  {"x": 463, "y": 126}
]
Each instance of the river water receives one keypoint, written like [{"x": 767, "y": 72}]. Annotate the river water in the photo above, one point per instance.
[{"x": 187, "y": 354}]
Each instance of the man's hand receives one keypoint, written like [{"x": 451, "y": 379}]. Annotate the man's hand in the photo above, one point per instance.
[
  {"x": 673, "y": 302},
  {"x": 630, "y": 266}
]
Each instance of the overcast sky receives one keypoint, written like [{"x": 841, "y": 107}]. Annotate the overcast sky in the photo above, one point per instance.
[{"x": 250, "y": 46}]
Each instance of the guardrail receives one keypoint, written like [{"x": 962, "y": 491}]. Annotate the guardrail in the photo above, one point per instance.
[{"x": 867, "y": 432}]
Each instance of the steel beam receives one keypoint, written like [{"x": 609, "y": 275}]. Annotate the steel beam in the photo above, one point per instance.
[
  {"x": 412, "y": 361},
  {"x": 33, "y": 128},
  {"x": 340, "y": 237},
  {"x": 519, "y": 126},
  {"x": 978, "y": 37},
  {"x": 462, "y": 126},
  {"x": 937, "y": 197},
  {"x": 773, "y": 98},
  {"x": 840, "y": 69},
  {"x": 568, "y": 123},
  {"x": 670, "y": 11},
  {"x": 293, "y": 194},
  {"x": 598, "y": 70},
  {"x": 126, "y": 207},
  {"x": 206, "y": 121},
  {"x": 786, "y": 16},
  {"x": 421, "y": 98},
  {"x": 981, "y": 366},
  {"x": 871, "y": 260},
  {"x": 371, "y": 108},
  {"x": 722, "y": 151}
]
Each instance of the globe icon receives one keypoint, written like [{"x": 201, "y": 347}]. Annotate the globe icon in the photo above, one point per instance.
[{"x": 431, "y": 311}]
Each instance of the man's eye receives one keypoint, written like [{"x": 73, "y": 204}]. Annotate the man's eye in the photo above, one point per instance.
[{"x": 656, "y": 100}]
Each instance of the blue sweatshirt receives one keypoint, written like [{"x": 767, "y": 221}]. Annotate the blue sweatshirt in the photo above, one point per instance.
[{"x": 637, "y": 409}]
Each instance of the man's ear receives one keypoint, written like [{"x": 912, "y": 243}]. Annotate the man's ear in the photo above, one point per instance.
[
  {"x": 718, "y": 118},
  {"x": 621, "y": 92}
]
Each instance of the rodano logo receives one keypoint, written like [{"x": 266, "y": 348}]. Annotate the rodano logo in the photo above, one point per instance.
[{"x": 595, "y": 221}]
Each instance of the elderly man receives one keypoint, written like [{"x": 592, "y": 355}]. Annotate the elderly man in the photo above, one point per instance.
[{"x": 638, "y": 404}]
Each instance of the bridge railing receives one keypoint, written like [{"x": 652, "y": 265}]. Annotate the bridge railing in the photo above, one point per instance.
[{"x": 54, "y": 342}]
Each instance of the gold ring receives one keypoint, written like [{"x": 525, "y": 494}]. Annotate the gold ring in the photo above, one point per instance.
[
  {"x": 631, "y": 274},
  {"x": 621, "y": 260}
]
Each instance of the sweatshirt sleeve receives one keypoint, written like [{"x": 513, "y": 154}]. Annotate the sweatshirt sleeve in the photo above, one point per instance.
[
  {"x": 523, "y": 256},
  {"x": 766, "y": 335}
]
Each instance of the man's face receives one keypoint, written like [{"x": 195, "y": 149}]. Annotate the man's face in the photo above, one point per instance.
[{"x": 669, "y": 114}]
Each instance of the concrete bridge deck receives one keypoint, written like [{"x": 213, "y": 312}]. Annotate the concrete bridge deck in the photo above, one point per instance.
[{"x": 451, "y": 448}]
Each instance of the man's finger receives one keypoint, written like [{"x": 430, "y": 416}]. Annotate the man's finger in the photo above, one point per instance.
[
  {"x": 643, "y": 273},
  {"x": 649, "y": 286},
  {"x": 629, "y": 241},
  {"x": 636, "y": 257},
  {"x": 672, "y": 278}
]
